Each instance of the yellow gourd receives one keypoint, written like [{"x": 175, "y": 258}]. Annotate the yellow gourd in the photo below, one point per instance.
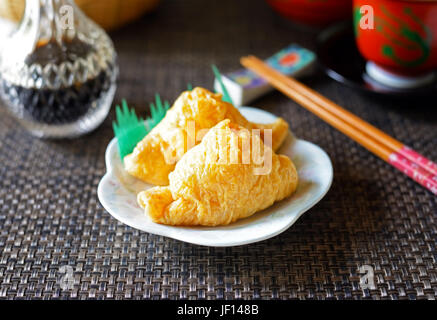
[{"x": 109, "y": 14}]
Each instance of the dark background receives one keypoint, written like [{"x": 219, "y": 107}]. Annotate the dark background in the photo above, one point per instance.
[{"x": 50, "y": 215}]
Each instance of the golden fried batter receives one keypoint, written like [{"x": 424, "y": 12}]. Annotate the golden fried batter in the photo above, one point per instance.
[
  {"x": 207, "y": 188},
  {"x": 157, "y": 154}
]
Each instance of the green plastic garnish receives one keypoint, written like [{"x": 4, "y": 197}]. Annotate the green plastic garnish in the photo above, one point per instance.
[
  {"x": 129, "y": 129},
  {"x": 218, "y": 76}
]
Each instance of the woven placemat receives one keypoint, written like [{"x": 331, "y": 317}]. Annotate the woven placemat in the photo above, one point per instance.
[{"x": 373, "y": 216}]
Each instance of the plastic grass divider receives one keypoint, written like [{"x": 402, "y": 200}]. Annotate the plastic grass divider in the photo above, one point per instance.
[{"x": 218, "y": 76}]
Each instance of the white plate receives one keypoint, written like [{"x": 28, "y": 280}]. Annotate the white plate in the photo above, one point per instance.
[{"x": 117, "y": 192}]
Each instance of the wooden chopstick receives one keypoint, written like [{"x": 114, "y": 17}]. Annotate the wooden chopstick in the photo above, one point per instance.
[
  {"x": 353, "y": 120},
  {"x": 389, "y": 149}
]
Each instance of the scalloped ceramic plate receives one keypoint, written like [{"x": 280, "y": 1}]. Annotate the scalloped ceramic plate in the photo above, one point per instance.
[{"x": 117, "y": 192}]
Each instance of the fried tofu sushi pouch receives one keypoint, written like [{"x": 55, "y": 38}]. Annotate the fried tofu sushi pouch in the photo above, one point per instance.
[
  {"x": 193, "y": 112},
  {"x": 221, "y": 180}
]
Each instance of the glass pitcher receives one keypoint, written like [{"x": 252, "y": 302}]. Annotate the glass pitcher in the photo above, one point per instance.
[{"x": 58, "y": 70}]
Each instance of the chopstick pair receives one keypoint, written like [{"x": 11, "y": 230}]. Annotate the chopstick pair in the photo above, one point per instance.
[{"x": 411, "y": 163}]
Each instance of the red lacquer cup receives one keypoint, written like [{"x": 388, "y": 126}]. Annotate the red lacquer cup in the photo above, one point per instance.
[
  {"x": 313, "y": 12},
  {"x": 398, "y": 38}
]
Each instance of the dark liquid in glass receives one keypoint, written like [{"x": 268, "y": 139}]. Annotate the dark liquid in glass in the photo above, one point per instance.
[{"x": 63, "y": 105}]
